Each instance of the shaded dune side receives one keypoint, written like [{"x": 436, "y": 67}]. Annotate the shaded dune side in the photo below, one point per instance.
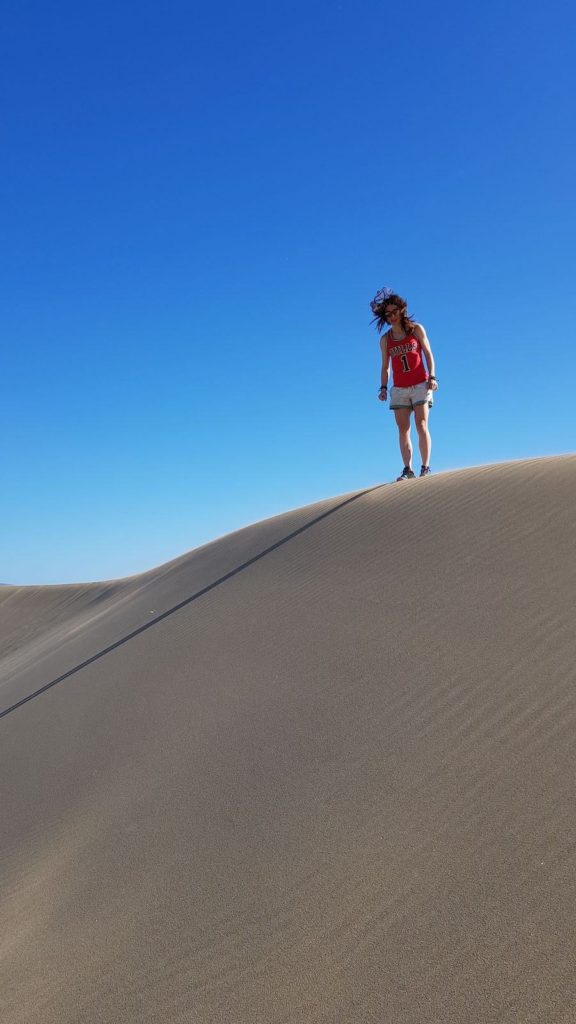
[
  {"x": 27, "y": 614},
  {"x": 336, "y": 788},
  {"x": 46, "y": 632}
]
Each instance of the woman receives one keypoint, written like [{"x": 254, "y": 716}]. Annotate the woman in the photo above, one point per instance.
[{"x": 413, "y": 384}]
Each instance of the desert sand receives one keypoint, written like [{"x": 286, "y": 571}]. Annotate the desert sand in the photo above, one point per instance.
[{"x": 320, "y": 771}]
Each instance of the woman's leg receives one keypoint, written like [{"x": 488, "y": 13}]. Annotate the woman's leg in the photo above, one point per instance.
[
  {"x": 424, "y": 439},
  {"x": 403, "y": 422}
]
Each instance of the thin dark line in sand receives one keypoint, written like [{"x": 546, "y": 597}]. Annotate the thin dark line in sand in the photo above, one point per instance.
[{"x": 186, "y": 601}]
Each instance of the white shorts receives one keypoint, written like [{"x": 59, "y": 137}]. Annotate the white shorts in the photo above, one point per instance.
[{"x": 409, "y": 398}]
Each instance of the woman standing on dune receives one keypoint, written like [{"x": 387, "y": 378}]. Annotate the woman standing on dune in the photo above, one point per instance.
[{"x": 413, "y": 384}]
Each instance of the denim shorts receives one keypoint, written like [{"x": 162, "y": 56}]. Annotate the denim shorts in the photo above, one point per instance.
[{"x": 409, "y": 398}]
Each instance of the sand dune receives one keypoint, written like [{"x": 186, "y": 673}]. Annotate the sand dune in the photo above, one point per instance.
[{"x": 318, "y": 772}]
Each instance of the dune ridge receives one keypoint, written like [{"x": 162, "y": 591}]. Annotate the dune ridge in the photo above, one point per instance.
[{"x": 338, "y": 786}]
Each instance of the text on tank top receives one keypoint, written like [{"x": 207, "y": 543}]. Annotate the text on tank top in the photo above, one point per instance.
[{"x": 407, "y": 366}]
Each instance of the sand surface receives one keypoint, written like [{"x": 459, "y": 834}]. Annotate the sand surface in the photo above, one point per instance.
[{"x": 321, "y": 771}]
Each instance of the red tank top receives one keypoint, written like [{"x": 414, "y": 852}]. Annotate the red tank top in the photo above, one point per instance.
[{"x": 407, "y": 366}]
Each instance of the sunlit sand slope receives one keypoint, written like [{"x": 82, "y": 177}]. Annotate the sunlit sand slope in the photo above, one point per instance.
[{"x": 334, "y": 785}]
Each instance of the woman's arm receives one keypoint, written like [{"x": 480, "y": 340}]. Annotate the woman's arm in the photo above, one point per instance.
[
  {"x": 423, "y": 339},
  {"x": 384, "y": 370}
]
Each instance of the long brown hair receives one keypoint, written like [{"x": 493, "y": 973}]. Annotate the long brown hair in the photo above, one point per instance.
[{"x": 408, "y": 324}]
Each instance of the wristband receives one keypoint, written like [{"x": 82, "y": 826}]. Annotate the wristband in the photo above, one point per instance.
[
  {"x": 384, "y": 387},
  {"x": 431, "y": 376}
]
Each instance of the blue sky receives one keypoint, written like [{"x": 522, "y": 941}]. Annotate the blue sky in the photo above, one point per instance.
[{"x": 198, "y": 204}]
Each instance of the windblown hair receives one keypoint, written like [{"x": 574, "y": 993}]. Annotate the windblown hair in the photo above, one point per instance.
[{"x": 408, "y": 324}]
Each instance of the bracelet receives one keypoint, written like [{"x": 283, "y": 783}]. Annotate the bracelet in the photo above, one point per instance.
[
  {"x": 384, "y": 387},
  {"x": 431, "y": 376}
]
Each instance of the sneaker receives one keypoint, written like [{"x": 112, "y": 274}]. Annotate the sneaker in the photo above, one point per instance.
[
  {"x": 406, "y": 474},
  {"x": 425, "y": 471}
]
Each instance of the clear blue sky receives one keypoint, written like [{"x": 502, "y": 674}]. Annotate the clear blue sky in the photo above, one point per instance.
[{"x": 199, "y": 202}]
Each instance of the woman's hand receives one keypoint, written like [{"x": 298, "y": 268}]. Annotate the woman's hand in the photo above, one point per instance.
[{"x": 383, "y": 393}]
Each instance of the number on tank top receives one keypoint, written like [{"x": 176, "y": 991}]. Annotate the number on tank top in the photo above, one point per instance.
[{"x": 405, "y": 366}]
